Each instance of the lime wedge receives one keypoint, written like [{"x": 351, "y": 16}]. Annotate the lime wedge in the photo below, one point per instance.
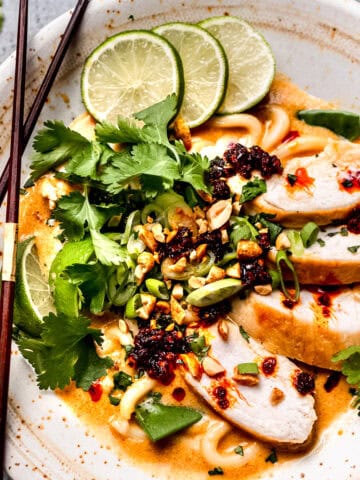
[
  {"x": 205, "y": 70},
  {"x": 251, "y": 62},
  {"x": 33, "y": 298},
  {"x": 214, "y": 292},
  {"x": 128, "y": 73}
]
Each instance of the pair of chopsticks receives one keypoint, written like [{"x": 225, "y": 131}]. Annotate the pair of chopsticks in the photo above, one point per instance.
[{"x": 10, "y": 181}]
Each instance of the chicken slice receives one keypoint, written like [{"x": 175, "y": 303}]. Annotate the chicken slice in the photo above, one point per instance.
[
  {"x": 321, "y": 323},
  {"x": 324, "y": 191},
  {"x": 332, "y": 260},
  {"x": 267, "y": 405}
]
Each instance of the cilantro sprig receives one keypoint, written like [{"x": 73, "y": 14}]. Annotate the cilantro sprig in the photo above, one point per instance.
[
  {"x": 65, "y": 351},
  {"x": 351, "y": 369},
  {"x": 147, "y": 155}
]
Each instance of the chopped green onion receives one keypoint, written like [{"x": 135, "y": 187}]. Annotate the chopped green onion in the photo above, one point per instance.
[
  {"x": 157, "y": 288},
  {"x": 190, "y": 197},
  {"x": 354, "y": 248},
  {"x": 133, "y": 219},
  {"x": 282, "y": 257},
  {"x": 122, "y": 381},
  {"x": 297, "y": 245},
  {"x": 216, "y": 471},
  {"x": 114, "y": 400},
  {"x": 272, "y": 457},
  {"x": 239, "y": 450},
  {"x": 132, "y": 305},
  {"x": 152, "y": 209},
  {"x": 321, "y": 242},
  {"x": 309, "y": 234},
  {"x": 244, "y": 334},
  {"x": 123, "y": 295},
  {"x": 275, "y": 278},
  {"x": 248, "y": 368},
  {"x": 344, "y": 232}
]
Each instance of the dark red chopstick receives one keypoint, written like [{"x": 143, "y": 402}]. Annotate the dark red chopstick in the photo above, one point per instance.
[
  {"x": 10, "y": 227},
  {"x": 11, "y": 182},
  {"x": 45, "y": 86}
]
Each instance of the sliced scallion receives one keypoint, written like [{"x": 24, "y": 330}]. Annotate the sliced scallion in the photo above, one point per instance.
[
  {"x": 309, "y": 234},
  {"x": 157, "y": 288},
  {"x": 248, "y": 368},
  {"x": 297, "y": 245},
  {"x": 282, "y": 258}
]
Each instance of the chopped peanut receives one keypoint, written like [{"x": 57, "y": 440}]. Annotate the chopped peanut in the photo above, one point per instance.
[
  {"x": 203, "y": 225},
  {"x": 192, "y": 364},
  {"x": 212, "y": 367},
  {"x": 223, "y": 329},
  {"x": 178, "y": 291},
  {"x": 163, "y": 307},
  {"x": 248, "y": 249},
  {"x": 179, "y": 266},
  {"x": 201, "y": 251},
  {"x": 148, "y": 238},
  {"x": 177, "y": 312},
  {"x": 247, "y": 379},
  {"x": 199, "y": 212},
  {"x": 282, "y": 241},
  {"x": 277, "y": 396},
  {"x": 234, "y": 271},
  {"x": 145, "y": 262},
  {"x": 219, "y": 213},
  {"x": 224, "y": 236},
  {"x": 158, "y": 233},
  {"x": 148, "y": 304},
  {"x": 196, "y": 282},
  {"x": 182, "y": 131},
  {"x": 216, "y": 273},
  {"x": 263, "y": 289}
]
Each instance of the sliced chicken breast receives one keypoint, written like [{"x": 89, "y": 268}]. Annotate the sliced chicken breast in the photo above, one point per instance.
[
  {"x": 332, "y": 260},
  {"x": 320, "y": 188},
  {"x": 312, "y": 330},
  {"x": 268, "y": 405}
]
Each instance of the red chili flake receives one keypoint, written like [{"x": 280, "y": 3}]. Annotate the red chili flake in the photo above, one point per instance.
[
  {"x": 95, "y": 391},
  {"x": 220, "y": 393},
  {"x": 353, "y": 221},
  {"x": 324, "y": 300},
  {"x": 288, "y": 303},
  {"x": 332, "y": 381},
  {"x": 304, "y": 382},
  {"x": 351, "y": 182},
  {"x": 268, "y": 365},
  {"x": 301, "y": 179},
  {"x": 291, "y": 135},
  {"x": 179, "y": 394}
]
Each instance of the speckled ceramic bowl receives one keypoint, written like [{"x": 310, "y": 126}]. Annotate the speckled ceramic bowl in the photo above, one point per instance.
[{"x": 317, "y": 44}]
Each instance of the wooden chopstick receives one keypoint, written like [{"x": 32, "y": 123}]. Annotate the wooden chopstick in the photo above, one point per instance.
[
  {"x": 10, "y": 227},
  {"x": 19, "y": 137},
  {"x": 46, "y": 84}
]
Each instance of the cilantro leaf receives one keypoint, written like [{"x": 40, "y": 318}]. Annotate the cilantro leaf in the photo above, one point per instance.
[
  {"x": 193, "y": 168},
  {"x": 76, "y": 214},
  {"x": 55, "y": 145},
  {"x": 252, "y": 189},
  {"x": 146, "y": 159},
  {"x": 351, "y": 363},
  {"x": 154, "y": 129},
  {"x": 63, "y": 352},
  {"x": 157, "y": 117},
  {"x": 92, "y": 279}
]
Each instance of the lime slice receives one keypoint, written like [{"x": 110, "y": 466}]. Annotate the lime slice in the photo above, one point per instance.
[
  {"x": 251, "y": 62},
  {"x": 33, "y": 298},
  {"x": 214, "y": 292},
  {"x": 205, "y": 70},
  {"x": 128, "y": 73}
]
